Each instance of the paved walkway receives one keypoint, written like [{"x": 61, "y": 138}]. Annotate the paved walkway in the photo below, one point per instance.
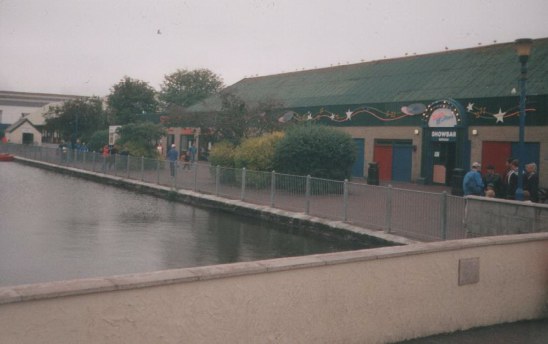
[{"x": 523, "y": 332}]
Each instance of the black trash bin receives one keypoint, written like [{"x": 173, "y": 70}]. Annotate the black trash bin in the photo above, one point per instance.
[
  {"x": 456, "y": 182},
  {"x": 373, "y": 174}
]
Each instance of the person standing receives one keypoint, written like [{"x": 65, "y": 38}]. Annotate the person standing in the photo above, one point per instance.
[
  {"x": 185, "y": 159},
  {"x": 192, "y": 152},
  {"x": 106, "y": 156},
  {"x": 505, "y": 177},
  {"x": 112, "y": 157},
  {"x": 512, "y": 180},
  {"x": 530, "y": 181},
  {"x": 472, "y": 184},
  {"x": 173, "y": 156},
  {"x": 491, "y": 177}
]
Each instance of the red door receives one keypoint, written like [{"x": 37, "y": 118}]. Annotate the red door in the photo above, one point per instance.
[
  {"x": 495, "y": 153},
  {"x": 383, "y": 156}
]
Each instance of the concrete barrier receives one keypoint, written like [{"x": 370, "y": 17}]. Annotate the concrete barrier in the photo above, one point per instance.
[
  {"x": 491, "y": 216},
  {"x": 369, "y": 296}
]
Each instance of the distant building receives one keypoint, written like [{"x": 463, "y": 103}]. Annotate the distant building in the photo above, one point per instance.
[
  {"x": 22, "y": 115},
  {"x": 15, "y": 105}
]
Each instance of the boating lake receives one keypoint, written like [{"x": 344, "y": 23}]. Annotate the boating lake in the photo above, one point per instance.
[{"x": 57, "y": 227}]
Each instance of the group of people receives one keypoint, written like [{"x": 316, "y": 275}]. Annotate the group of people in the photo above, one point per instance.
[
  {"x": 187, "y": 157},
  {"x": 493, "y": 184}
]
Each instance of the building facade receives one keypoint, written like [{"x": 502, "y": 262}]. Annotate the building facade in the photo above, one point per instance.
[{"x": 420, "y": 117}]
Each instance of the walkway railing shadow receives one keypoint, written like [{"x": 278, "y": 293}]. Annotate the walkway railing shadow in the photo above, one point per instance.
[{"x": 419, "y": 215}]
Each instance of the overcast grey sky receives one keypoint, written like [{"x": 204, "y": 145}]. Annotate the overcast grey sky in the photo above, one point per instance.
[{"x": 84, "y": 47}]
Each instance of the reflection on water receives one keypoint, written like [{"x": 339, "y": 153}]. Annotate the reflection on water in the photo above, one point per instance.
[{"x": 55, "y": 227}]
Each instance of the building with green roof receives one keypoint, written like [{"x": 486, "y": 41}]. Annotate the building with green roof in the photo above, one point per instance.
[{"x": 419, "y": 117}]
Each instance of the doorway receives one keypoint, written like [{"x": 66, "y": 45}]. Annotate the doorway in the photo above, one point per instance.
[
  {"x": 28, "y": 138},
  {"x": 444, "y": 156}
]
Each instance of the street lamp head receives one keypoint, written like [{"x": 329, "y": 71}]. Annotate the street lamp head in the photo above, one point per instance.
[{"x": 523, "y": 48}]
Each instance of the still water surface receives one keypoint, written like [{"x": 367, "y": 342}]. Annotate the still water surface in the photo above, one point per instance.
[{"x": 57, "y": 227}]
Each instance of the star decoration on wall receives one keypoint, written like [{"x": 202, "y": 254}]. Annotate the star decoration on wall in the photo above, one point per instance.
[
  {"x": 479, "y": 111},
  {"x": 470, "y": 107},
  {"x": 499, "y": 116},
  {"x": 348, "y": 114}
]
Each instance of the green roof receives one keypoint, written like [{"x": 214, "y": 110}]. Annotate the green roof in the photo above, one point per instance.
[{"x": 480, "y": 72}]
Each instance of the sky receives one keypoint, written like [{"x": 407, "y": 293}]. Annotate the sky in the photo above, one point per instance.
[{"x": 85, "y": 47}]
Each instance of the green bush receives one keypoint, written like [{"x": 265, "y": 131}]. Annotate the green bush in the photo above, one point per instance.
[
  {"x": 257, "y": 156},
  {"x": 319, "y": 151},
  {"x": 257, "y": 153},
  {"x": 222, "y": 154}
]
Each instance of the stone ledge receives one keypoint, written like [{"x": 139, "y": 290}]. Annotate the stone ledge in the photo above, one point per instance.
[{"x": 50, "y": 290}]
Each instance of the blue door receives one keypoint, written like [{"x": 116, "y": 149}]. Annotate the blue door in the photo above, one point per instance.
[
  {"x": 357, "y": 168},
  {"x": 401, "y": 162}
]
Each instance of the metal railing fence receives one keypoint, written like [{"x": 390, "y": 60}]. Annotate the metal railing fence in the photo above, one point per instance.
[{"x": 415, "y": 214}]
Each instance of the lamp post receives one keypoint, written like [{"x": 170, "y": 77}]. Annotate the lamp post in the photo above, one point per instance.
[{"x": 523, "y": 49}]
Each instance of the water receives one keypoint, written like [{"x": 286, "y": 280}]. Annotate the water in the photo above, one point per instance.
[{"x": 57, "y": 227}]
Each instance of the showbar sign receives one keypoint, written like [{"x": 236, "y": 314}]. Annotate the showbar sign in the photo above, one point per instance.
[{"x": 444, "y": 135}]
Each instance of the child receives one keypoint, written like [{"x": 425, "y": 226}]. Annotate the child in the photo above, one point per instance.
[{"x": 185, "y": 158}]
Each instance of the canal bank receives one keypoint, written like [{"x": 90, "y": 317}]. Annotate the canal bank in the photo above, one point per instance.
[{"x": 325, "y": 227}]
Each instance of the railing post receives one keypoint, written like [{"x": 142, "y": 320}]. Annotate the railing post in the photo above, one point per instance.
[
  {"x": 272, "y": 188},
  {"x": 115, "y": 169},
  {"x": 158, "y": 171},
  {"x": 443, "y": 215},
  {"x": 307, "y": 196},
  {"x": 195, "y": 167},
  {"x": 127, "y": 166},
  {"x": 388, "y": 215},
  {"x": 174, "y": 177},
  {"x": 142, "y": 168},
  {"x": 217, "y": 179},
  {"x": 242, "y": 196},
  {"x": 345, "y": 200}
]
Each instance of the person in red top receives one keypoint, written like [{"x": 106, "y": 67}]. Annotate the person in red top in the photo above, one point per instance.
[{"x": 106, "y": 155}]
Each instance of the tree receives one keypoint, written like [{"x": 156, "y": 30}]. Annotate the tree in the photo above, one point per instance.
[
  {"x": 185, "y": 88},
  {"x": 77, "y": 119},
  {"x": 237, "y": 120},
  {"x": 97, "y": 140},
  {"x": 139, "y": 139},
  {"x": 129, "y": 99}
]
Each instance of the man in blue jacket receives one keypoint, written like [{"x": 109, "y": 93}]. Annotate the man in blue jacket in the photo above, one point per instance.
[
  {"x": 173, "y": 156},
  {"x": 472, "y": 184}
]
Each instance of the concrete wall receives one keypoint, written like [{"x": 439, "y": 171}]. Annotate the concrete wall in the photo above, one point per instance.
[
  {"x": 491, "y": 216},
  {"x": 368, "y": 296}
]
